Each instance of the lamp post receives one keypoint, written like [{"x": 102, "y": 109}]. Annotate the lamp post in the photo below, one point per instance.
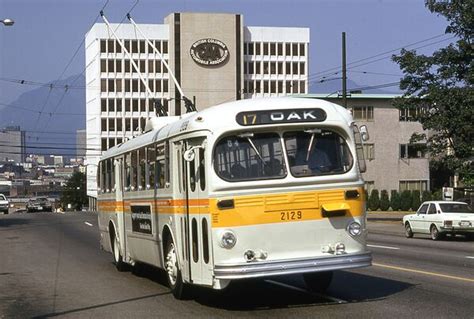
[{"x": 7, "y": 22}]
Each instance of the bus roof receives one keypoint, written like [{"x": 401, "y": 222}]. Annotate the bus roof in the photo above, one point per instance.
[{"x": 223, "y": 117}]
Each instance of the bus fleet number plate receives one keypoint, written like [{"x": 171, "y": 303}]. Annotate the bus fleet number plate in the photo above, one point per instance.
[{"x": 291, "y": 215}]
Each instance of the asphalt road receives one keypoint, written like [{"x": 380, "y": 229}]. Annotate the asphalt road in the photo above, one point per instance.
[{"x": 51, "y": 265}]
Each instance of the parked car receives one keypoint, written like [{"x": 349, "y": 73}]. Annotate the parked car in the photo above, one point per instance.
[
  {"x": 40, "y": 204},
  {"x": 439, "y": 218},
  {"x": 4, "y": 204}
]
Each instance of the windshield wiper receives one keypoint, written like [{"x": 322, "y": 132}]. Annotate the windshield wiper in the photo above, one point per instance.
[
  {"x": 311, "y": 141},
  {"x": 248, "y": 137}
]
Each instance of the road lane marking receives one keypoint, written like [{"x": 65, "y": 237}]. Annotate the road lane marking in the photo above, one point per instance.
[
  {"x": 88, "y": 224},
  {"x": 470, "y": 257},
  {"x": 306, "y": 291},
  {"x": 384, "y": 247},
  {"x": 423, "y": 272}
]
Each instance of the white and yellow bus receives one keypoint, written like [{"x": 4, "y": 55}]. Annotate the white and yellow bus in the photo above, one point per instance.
[{"x": 247, "y": 189}]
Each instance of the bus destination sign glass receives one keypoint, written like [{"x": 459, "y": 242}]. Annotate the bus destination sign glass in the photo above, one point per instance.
[{"x": 281, "y": 116}]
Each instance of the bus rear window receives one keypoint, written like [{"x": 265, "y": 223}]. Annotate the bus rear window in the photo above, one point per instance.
[
  {"x": 249, "y": 156},
  {"x": 317, "y": 152}
]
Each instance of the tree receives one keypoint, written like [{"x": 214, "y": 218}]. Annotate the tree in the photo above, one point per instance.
[
  {"x": 384, "y": 202},
  {"x": 439, "y": 91},
  {"x": 374, "y": 201},
  {"x": 74, "y": 192},
  {"x": 405, "y": 200},
  {"x": 415, "y": 200},
  {"x": 426, "y": 196},
  {"x": 395, "y": 200}
]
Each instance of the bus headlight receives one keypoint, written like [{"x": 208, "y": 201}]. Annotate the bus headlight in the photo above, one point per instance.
[
  {"x": 354, "y": 229},
  {"x": 228, "y": 240}
]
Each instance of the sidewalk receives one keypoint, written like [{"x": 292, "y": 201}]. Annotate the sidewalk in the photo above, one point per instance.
[{"x": 386, "y": 215}]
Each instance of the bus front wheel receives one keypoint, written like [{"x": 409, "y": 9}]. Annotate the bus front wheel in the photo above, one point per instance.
[
  {"x": 173, "y": 273},
  {"x": 318, "y": 281}
]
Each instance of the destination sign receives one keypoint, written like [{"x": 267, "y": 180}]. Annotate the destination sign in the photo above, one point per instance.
[{"x": 281, "y": 116}]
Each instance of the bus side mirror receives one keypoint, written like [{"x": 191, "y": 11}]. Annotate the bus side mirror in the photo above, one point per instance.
[
  {"x": 364, "y": 133},
  {"x": 189, "y": 155}
]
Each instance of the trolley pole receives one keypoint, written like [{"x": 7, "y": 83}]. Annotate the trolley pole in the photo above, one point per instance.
[{"x": 344, "y": 71}]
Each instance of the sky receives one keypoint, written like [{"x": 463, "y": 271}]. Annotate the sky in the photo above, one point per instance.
[{"x": 47, "y": 33}]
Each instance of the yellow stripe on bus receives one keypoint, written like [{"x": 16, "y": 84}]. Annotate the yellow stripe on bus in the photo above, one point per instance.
[{"x": 255, "y": 209}]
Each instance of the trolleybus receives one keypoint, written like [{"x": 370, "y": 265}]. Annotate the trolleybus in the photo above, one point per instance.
[{"x": 246, "y": 189}]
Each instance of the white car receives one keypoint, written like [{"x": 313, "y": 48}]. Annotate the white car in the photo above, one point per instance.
[
  {"x": 439, "y": 218},
  {"x": 4, "y": 204}
]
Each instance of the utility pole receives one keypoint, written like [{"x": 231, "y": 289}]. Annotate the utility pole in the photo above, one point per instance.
[{"x": 344, "y": 70}]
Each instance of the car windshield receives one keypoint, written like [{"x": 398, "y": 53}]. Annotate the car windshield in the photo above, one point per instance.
[
  {"x": 317, "y": 152},
  {"x": 456, "y": 208},
  {"x": 249, "y": 156}
]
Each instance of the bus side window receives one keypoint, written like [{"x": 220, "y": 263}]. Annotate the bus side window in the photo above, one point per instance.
[
  {"x": 141, "y": 169},
  {"x": 202, "y": 170},
  {"x": 160, "y": 164},
  {"x": 103, "y": 180},
  {"x": 167, "y": 162},
  {"x": 99, "y": 177},
  {"x": 134, "y": 169},
  {"x": 128, "y": 167},
  {"x": 151, "y": 158}
]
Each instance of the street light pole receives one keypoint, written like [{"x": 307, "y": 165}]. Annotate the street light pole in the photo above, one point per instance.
[{"x": 7, "y": 22}]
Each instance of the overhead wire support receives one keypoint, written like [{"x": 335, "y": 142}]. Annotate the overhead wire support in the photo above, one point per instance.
[
  {"x": 190, "y": 107},
  {"x": 135, "y": 66}
]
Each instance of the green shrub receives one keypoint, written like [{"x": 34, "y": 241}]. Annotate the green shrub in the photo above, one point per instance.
[
  {"x": 395, "y": 200},
  {"x": 374, "y": 200},
  {"x": 384, "y": 201},
  {"x": 415, "y": 200},
  {"x": 405, "y": 200},
  {"x": 438, "y": 195},
  {"x": 426, "y": 196}
]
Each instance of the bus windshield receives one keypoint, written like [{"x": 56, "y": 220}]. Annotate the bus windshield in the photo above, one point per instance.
[
  {"x": 250, "y": 156},
  {"x": 317, "y": 152}
]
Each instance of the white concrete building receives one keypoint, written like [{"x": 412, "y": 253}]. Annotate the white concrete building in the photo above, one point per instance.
[{"x": 214, "y": 57}]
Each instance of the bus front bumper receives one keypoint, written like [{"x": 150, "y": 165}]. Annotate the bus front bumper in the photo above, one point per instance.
[{"x": 288, "y": 267}]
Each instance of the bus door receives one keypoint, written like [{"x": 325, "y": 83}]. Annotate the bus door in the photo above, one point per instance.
[
  {"x": 119, "y": 208},
  {"x": 197, "y": 211}
]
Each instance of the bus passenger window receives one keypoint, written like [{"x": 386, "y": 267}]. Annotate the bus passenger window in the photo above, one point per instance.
[
  {"x": 202, "y": 170},
  {"x": 127, "y": 180},
  {"x": 161, "y": 173},
  {"x": 192, "y": 175},
  {"x": 151, "y": 158},
  {"x": 141, "y": 169},
  {"x": 108, "y": 182},
  {"x": 134, "y": 170}
]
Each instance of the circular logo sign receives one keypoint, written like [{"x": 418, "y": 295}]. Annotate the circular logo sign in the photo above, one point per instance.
[{"x": 209, "y": 52}]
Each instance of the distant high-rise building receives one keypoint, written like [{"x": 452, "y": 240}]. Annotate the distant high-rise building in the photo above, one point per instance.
[
  {"x": 13, "y": 144},
  {"x": 81, "y": 143}
]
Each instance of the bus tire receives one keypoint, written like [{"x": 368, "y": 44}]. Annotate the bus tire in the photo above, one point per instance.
[
  {"x": 318, "y": 281},
  {"x": 173, "y": 274},
  {"x": 118, "y": 260}
]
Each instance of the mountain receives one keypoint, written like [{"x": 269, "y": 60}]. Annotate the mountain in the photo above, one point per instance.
[{"x": 59, "y": 120}]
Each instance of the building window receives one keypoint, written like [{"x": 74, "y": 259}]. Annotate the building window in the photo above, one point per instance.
[
  {"x": 118, "y": 66},
  {"x": 419, "y": 185},
  {"x": 118, "y": 104},
  {"x": 103, "y": 85},
  {"x": 119, "y": 125},
  {"x": 103, "y": 46},
  {"x": 369, "y": 186},
  {"x": 302, "y": 87},
  {"x": 111, "y": 125},
  {"x": 258, "y": 68},
  {"x": 103, "y": 65},
  {"x": 288, "y": 68},
  {"x": 273, "y": 68},
  {"x": 103, "y": 105},
  {"x": 250, "y": 49},
  {"x": 265, "y": 48},
  {"x": 416, "y": 150},
  {"x": 104, "y": 144},
  {"x": 111, "y": 65},
  {"x": 295, "y": 67},
  {"x": 288, "y": 49},
  {"x": 280, "y": 48},
  {"x": 280, "y": 67},
  {"x": 302, "y": 49},
  {"x": 363, "y": 113},
  {"x": 272, "y": 48},
  {"x": 410, "y": 115},
  {"x": 111, "y": 48},
  {"x": 103, "y": 125},
  {"x": 295, "y": 49},
  {"x": 369, "y": 151},
  {"x": 302, "y": 68},
  {"x": 257, "y": 48}
]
